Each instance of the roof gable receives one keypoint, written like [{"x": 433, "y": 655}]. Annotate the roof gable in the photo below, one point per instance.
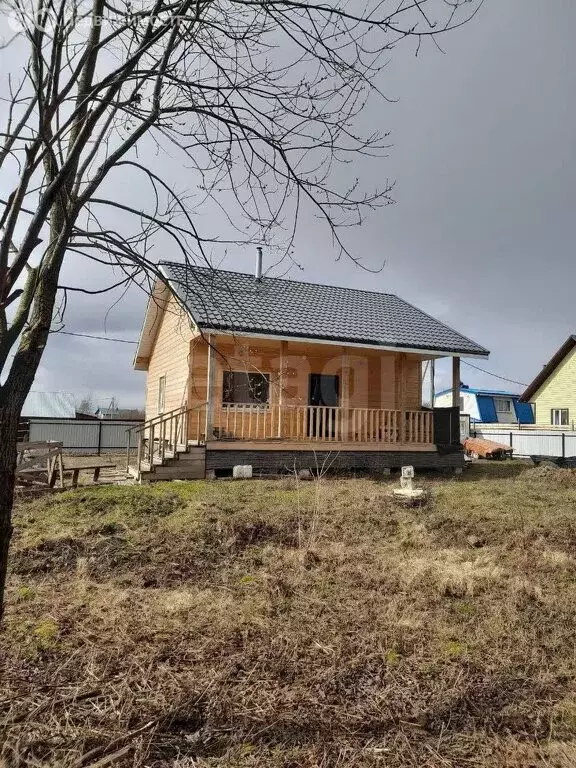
[
  {"x": 235, "y": 302},
  {"x": 549, "y": 369}
]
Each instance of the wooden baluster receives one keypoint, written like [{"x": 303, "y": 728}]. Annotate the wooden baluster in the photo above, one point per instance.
[
  {"x": 140, "y": 449},
  {"x": 128, "y": 441}
]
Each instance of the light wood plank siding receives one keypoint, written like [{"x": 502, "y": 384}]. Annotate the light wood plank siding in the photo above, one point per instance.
[
  {"x": 373, "y": 374},
  {"x": 170, "y": 358},
  {"x": 377, "y": 379},
  {"x": 558, "y": 391}
]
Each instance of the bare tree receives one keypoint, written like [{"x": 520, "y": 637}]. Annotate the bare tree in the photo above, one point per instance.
[
  {"x": 258, "y": 98},
  {"x": 85, "y": 405}
]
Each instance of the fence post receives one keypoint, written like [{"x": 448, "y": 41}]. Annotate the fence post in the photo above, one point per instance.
[
  {"x": 99, "y": 436},
  {"x": 563, "y": 445},
  {"x": 511, "y": 437}
]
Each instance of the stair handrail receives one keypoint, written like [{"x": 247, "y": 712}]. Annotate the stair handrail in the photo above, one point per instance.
[
  {"x": 154, "y": 421},
  {"x": 160, "y": 417}
]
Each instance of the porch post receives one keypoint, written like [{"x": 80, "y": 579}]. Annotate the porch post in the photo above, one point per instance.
[
  {"x": 210, "y": 388},
  {"x": 345, "y": 398},
  {"x": 456, "y": 382},
  {"x": 401, "y": 394},
  {"x": 283, "y": 346},
  {"x": 432, "y": 383}
]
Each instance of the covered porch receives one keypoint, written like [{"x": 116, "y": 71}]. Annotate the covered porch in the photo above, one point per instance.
[
  {"x": 274, "y": 430},
  {"x": 271, "y": 391}
]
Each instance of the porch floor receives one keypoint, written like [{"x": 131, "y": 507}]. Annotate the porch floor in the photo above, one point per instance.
[{"x": 272, "y": 444}]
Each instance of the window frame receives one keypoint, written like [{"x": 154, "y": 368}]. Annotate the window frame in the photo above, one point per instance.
[
  {"x": 560, "y": 412},
  {"x": 506, "y": 400},
  {"x": 227, "y": 387},
  {"x": 161, "y": 404}
]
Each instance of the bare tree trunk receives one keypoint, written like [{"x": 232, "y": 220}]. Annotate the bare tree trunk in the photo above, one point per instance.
[{"x": 8, "y": 439}]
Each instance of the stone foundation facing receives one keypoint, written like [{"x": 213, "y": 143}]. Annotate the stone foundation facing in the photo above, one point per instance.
[{"x": 374, "y": 461}]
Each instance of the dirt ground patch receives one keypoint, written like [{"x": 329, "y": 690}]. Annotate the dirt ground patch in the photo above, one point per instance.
[{"x": 276, "y": 624}]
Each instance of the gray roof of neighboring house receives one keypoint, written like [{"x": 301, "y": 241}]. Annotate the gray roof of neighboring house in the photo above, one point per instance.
[
  {"x": 55, "y": 405},
  {"x": 233, "y": 301}
]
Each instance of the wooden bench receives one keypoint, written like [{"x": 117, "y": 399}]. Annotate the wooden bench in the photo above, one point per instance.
[{"x": 94, "y": 465}]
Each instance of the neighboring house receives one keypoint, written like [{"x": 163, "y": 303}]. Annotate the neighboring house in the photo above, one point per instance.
[
  {"x": 281, "y": 374},
  {"x": 123, "y": 414},
  {"x": 488, "y": 406},
  {"x": 49, "y": 405},
  {"x": 553, "y": 391},
  {"x": 45, "y": 405}
]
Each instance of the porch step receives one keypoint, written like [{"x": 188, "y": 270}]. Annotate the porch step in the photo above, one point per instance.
[{"x": 190, "y": 464}]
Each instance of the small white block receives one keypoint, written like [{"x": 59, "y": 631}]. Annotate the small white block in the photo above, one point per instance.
[
  {"x": 242, "y": 472},
  {"x": 409, "y": 493}
]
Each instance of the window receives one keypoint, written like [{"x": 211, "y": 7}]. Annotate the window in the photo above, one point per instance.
[
  {"x": 245, "y": 388},
  {"x": 502, "y": 405},
  {"x": 461, "y": 403},
  {"x": 161, "y": 393},
  {"x": 559, "y": 417}
]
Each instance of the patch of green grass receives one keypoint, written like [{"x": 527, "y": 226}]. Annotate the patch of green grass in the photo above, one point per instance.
[{"x": 270, "y": 624}]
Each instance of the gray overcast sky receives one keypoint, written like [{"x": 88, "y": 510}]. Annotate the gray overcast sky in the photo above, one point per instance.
[{"x": 481, "y": 235}]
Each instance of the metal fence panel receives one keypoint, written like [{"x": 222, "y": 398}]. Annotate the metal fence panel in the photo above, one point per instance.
[
  {"x": 84, "y": 436},
  {"x": 535, "y": 442}
]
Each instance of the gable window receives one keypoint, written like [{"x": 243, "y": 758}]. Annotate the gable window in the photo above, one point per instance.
[
  {"x": 559, "y": 417},
  {"x": 161, "y": 393},
  {"x": 503, "y": 405},
  {"x": 241, "y": 388}
]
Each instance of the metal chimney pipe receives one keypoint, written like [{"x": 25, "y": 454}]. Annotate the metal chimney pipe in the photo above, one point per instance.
[{"x": 258, "y": 274}]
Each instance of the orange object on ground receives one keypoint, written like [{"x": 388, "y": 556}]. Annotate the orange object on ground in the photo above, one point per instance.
[{"x": 486, "y": 449}]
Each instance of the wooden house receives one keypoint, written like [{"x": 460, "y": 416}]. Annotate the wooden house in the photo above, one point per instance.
[
  {"x": 489, "y": 406},
  {"x": 552, "y": 393},
  {"x": 279, "y": 374}
]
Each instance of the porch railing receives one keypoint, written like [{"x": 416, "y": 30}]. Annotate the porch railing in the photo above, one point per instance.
[{"x": 322, "y": 423}]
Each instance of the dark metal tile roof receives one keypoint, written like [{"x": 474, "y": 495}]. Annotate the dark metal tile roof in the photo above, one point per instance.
[{"x": 233, "y": 301}]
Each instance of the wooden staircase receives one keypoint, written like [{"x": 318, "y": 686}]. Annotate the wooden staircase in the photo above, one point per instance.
[
  {"x": 188, "y": 464},
  {"x": 165, "y": 450}
]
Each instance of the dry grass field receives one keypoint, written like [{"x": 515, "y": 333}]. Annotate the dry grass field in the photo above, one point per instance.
[{"x": 269, "y": 624}]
